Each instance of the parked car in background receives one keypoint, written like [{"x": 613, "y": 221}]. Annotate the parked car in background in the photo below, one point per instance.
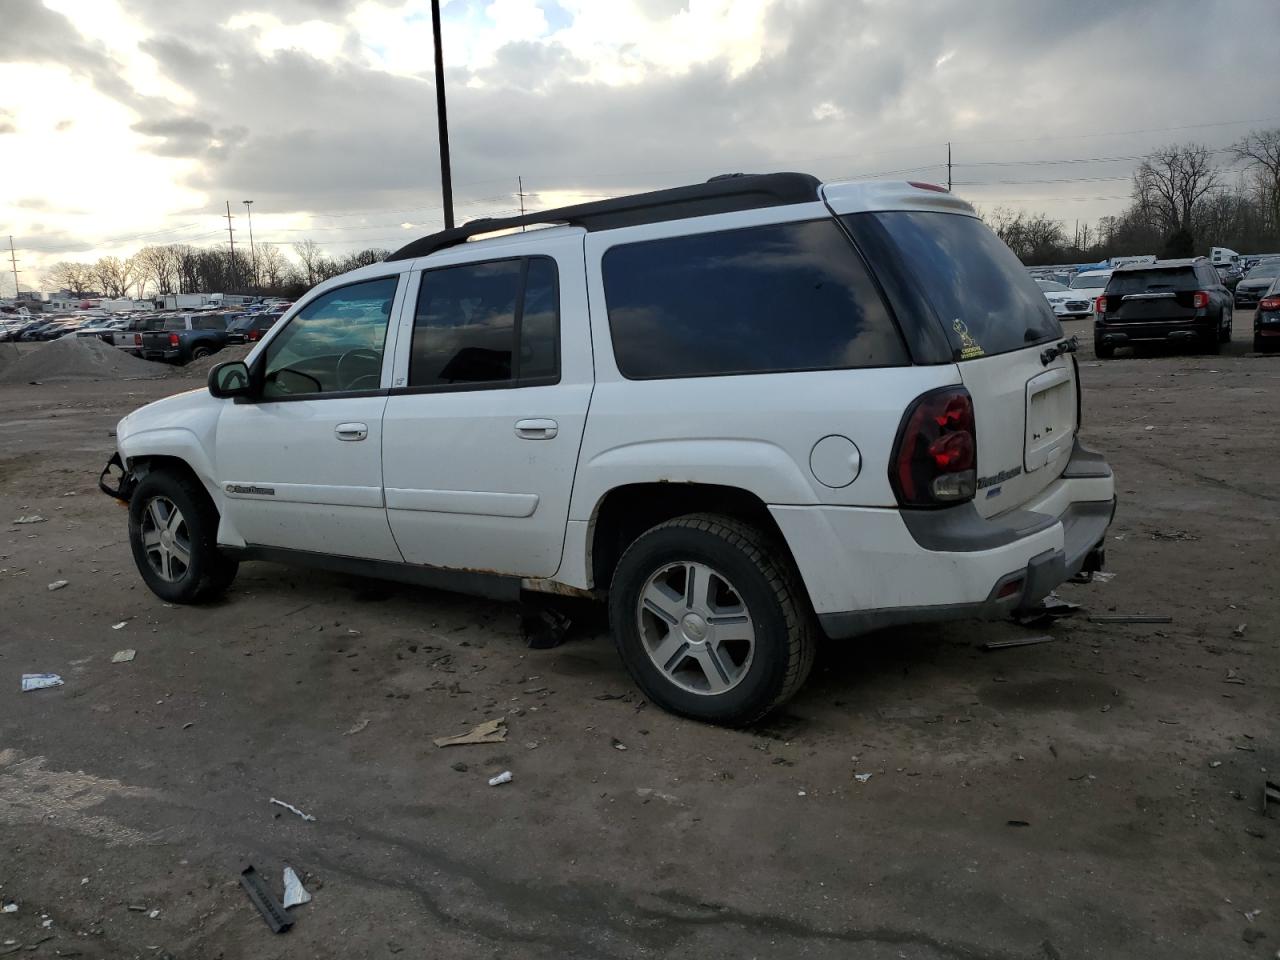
[
  {"x": 129, "y": 338},
  {"x": 1230, "y": 274},
  {"x": 1174, "y": 301},
  {"x": 748, "y": 411},
  {"x": 186, "y": 337},
  {"x": 1065, "y": 302},
  {"x": 1266, "y": 319},
  {"x": 1250, "y": 289},
  {"x": 104, "y": 330},
  {"x": 1089, "y": 285},
  {"x": 250, "y": 327}
]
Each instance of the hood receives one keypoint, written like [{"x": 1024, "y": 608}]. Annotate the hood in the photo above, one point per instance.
[
  {"x": 1259, "y": 284},
  {"x": 192, "y": 410}
]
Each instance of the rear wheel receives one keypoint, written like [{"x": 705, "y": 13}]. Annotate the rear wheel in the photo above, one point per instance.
[
  {"x": 1103, "y": 351},
  {"x": 173, "y": 530},
  {"x": 1224, "y": 335},
  {"x": 199, "y": 353},
  {"x": 710, "y": 619}
]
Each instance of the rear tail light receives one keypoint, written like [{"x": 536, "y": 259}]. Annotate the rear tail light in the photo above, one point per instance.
[
  {"x": 253, "y": 335},
  {"x": 935, "y": 457},
  {"x": 1200, "y": 300},
  {"x": 927, "y": 186},
  {"x": 137, "y": 339},
  {"x": 1269, "y": 303},
  {"x": 173, "y": 340},
  {"x": 1100, "y": 305}
]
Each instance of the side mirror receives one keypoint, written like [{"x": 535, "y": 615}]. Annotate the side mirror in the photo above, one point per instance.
[{"x": 230, "y": 379}]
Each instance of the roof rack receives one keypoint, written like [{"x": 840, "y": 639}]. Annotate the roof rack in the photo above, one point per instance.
[{"x": 723, "y": 194}]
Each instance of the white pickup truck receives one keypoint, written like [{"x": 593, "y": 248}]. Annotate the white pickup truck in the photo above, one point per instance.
[{"x": 748, "y": 413}]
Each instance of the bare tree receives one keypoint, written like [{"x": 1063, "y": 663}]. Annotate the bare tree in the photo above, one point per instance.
[
  {"x": 158, "y": 266},
  {"x": 1170, "y": 183},
  {"x": 114, "y": 276},
  {"x": 1035, "y": 238},
  {"x": 1259, "y": 150},
  {"x": 312, "y": 259},
  {"x": 272, "y": 266},
  {"x": 68, "y": 275}
]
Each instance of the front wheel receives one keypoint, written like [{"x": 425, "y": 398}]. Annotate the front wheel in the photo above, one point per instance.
[
  {"x": 710, "y": 619},
  {"x": 173, "y": 530}
]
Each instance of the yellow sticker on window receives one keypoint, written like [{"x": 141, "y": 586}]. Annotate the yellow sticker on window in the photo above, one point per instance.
[{"x": 969, "y": 348}]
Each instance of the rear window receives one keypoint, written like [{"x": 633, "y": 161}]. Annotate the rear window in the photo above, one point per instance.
[
  {"x": 1090, "y": 281},
  {"x": 175, "y": 323},
  {"x": 980, "y": 291},
  {"x": 1153, "y": 281},
  {"x": 767, "y": 299}
]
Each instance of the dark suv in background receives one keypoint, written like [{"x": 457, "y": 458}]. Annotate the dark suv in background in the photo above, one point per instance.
[
  {"x": 1266, "y": 319},
  {"x": 1174, "y": 301}
]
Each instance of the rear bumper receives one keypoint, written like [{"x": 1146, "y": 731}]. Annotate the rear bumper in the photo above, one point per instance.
[
  {"x": 1117, "y": 334},
  {"x": 167, "y": 356},
  {"x": 869, "y": 568}
]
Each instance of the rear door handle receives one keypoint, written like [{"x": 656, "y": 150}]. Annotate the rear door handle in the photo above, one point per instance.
[
  {"x": 351, "y": 431},
  {"x": 539, "y": 429}
]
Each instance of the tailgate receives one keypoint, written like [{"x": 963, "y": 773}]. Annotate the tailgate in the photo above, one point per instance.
[{"x": 1025, "y": 414}]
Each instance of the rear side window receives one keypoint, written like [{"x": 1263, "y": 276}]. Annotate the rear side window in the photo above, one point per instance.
[
  {"x": 209, "y": 323},
  {"x": 1125, "y": 282},
  {"x": 767, "y": 299},
  {"x": 492, "y": 323},
  {"x": 982, "y": 294}
]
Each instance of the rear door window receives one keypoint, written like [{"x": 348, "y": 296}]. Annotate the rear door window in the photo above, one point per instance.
[
  {"x": 767, "y": 299},
  {"x": 979, "y": 290}
]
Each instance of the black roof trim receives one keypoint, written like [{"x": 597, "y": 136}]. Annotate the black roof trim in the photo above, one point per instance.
[{"x": 723, "y": 194}]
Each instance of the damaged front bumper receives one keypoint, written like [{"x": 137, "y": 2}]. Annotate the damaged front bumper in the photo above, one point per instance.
[{"x": 125, "y": 481}]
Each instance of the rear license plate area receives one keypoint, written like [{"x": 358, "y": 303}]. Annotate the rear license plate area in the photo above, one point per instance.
[{"x": 1051, "y": 414}]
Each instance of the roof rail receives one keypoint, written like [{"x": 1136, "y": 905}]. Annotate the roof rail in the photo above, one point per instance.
[{"x": 723, "y": 194}]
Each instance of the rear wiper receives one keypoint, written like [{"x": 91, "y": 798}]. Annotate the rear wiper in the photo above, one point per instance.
[{"x": 1049, "y": 354}]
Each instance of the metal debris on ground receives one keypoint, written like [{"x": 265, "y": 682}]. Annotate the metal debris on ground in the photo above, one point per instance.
[
  {"x": 1017, "y": 642},
  {"x": 34, "y": 518},
  {"x": 123, "y": 656},
  {"x": 58, "y": 585},
  {"x": 504, "y": 777},
  {"x": 1173, "y": 535},
  {"x": 491, "y": 731},
  {"x": 1270, "y": 794},
  {"x": 356, "y": 728},
  {"x": 294, "y": 892},
  {"x": 1239, "y": 631},
  {"x": 1233, "y": 677},
  {"x": 120, "y": 626},
  {"x": 40, "y": 681},
  {"x": 862, "y": 777},
  {"x": 261, "y": 897},
  {"x": 544, "y": 627},
  {"x": 618, "y": 744},
  {"x": 1131, "y": 618},
  {"x": 292, "y": 809},
  {"x": 1046, "y": 611},
  {"x": 1018, "y": 823}
]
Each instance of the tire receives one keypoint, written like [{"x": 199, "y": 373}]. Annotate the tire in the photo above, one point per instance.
[
  {"x": 206, "y": 572},
  {"x": 199, "y": 353},
  {"x": 1224, "y": 335},
  {"x": 1213, "y": 345},
  {"x": 1259, "y": 346},
  {"x": 1103, "y": 351},
  {"x": 749, "y": 576}
]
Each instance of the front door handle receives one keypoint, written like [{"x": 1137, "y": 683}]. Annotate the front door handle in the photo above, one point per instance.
[
  {"x": 540, "y": 429},
  {"x": 351, "y": 431}
]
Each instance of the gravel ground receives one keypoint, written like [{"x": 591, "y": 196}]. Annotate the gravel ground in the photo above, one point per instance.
[{"x": 1097, "y": 796}]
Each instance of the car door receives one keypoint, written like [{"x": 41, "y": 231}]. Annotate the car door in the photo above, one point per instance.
[
  {"x": 484, "y": 422},
  {"x": 301, "y": 464}
]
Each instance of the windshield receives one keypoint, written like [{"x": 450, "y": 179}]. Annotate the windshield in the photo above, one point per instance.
[
  {"x": 1268, "y": 268},
  {"x": 1051, "y": 286},
  {"x": 1086, "y": 281},
  {"x": 981, "y": 293}
]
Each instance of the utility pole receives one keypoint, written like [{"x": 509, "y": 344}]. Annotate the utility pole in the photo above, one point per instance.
[
  {"x": 253, "y": 251},
  {"x": 446, "y": 176},
  {"x": 232, "y": 238},
  {"x": 520, "y": 191},
  {"x": 948, "y": 165},
  {"x": 14, "y": 261}
]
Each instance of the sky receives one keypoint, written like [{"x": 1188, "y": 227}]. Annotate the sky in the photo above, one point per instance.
[{"x": 128, "y": 122}]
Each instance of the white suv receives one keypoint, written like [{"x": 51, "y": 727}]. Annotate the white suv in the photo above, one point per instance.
[{"x": 749, "y": 412}]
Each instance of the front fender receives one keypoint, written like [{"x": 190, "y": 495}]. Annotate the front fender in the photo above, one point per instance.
[{"x": 179, "y": 443}]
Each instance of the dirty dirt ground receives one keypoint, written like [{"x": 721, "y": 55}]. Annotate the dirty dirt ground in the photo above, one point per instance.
[{"x": 1096, "y": 796}]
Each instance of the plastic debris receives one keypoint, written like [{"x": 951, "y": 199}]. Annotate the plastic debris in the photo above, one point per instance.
[
  {"x": 1018, "y": 823},
  {"x": 294, "y": 892},
  {"x": 503, "y": 777},
  {"x": 1239, "y": 631},
  {"x": 292, "y": 809},
  {"x": 39, "y": 681},
  {"x": 123, "y": 656},
  {"x": 120, "y": 626},
  {"x": 862, "y": 777},
  {"x": 34, "y": 518},
  {"x": 1215, "y": 763},
  {"x": 491, "y": 731},
  {"x": 1270, "y": 794},
  {"x": 618, "y": 744},
  {"x": 9, "y": 907},
  {"x": 1018, "y": 642},
  {"x": 154, "y": 914},
  {"x": 1233, "y": 677},
  {"x": 261, "y": 897},
  {"x": 355, "y": 728},
  {"x": 58, "y": 585}
]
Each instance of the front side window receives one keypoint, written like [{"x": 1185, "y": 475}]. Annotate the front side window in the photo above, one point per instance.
[
  {"x": 334, "y": 344},
  {"x": 782, "y": 297},
  {"x": 495, "y": 323}
]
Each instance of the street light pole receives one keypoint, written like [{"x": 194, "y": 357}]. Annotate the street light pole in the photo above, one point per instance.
[
  {"x": 446, "y": 176},
  {"x": 253, "y": 252}
]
